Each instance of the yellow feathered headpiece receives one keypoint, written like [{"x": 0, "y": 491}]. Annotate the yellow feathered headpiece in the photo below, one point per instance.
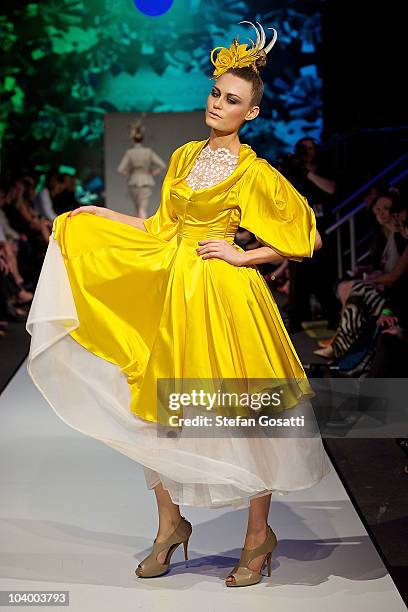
[{"x": 238, "y": 56}]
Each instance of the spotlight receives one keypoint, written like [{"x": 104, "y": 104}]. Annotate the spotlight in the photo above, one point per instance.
[{"x": 153, "y": 7}]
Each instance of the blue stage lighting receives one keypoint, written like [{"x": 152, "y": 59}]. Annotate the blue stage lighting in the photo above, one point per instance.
[{"x": 153, "y": 7}]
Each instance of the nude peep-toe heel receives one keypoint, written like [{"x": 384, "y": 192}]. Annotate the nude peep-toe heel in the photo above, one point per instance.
[
  {"x": 242, "y": 574},
  {"x": 150, "y": 566}
]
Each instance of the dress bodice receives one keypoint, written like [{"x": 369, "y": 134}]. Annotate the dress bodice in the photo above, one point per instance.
[
  {"x": 253, "y": 195},
  {"x": 202, "y": 198}
]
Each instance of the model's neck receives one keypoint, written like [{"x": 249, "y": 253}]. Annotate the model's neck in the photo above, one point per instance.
[{"x": 229, "y": 141}]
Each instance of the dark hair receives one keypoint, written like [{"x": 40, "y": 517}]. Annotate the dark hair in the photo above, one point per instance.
[
  {"x": 392, "y": 194},
  {"x": 302, "y": 140},
  {"x": 52, "y": 173},
  {"x": 299, "y": 148},
  {"x": 4, "y": 185},
  {"x": 251, "y": 74}
]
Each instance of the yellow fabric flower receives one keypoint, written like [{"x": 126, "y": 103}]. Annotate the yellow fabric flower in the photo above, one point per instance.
[{"x": 237, "y": 56}]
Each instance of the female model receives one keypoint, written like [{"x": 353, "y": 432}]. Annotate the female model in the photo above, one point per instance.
[
  {"x": 139, "y": 164},
  {"x": 123, "y": 303}
]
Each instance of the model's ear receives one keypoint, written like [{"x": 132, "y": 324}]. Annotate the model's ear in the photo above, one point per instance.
[{"x": 252, "y": 113}]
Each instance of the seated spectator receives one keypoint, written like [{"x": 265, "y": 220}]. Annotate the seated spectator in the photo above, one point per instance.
[
  {"x": 24, "y": 219},
  {"x": 28, "y": 210},
  {"x": 44, "y": 199},
  {"x": 13, "y": 249},
  {"x": 391, "y": 350},
  {"x": 11, "y": 295},
  {"x": 386, "y": 245},
  {"x": 65, "y": 200},
  {"x": 362, "y": 304},
  {"x": 392, "y": 286}
]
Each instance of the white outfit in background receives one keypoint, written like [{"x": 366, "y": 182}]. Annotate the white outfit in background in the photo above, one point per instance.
[
  {"x": 44, "y": 205},
  {"x": 390, "y": 254},
  {"x": 136, "y": 165}
]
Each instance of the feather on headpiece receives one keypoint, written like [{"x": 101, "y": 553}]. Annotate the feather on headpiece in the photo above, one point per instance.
[{"x": 238, "y": 56}]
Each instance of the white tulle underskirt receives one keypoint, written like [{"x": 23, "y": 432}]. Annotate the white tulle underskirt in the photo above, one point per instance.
[{"x": 92, "y": 396}]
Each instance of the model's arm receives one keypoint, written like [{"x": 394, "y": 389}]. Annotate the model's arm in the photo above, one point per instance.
[
  {"x": 107, "y": 213},
  {"x": 129, "y": 219},
  {"x": 266, "y": 254}
]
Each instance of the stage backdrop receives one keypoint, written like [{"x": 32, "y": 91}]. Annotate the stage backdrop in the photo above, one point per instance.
[{"x": 66, "y": 63}]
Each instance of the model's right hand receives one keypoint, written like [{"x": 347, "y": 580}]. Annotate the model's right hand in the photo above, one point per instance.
[{"x": 100, "y": 211}]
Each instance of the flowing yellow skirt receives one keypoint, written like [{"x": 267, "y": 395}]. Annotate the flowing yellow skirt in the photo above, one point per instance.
[{"x": 116, "y": 309}]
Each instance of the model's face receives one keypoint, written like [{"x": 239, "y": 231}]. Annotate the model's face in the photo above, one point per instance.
[
  {"x": 381, "y": 210},
  {"x": 229, "y": 104}
]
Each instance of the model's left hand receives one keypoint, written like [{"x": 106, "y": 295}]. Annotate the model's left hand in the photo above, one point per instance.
[{"x": 222, "y": 250}]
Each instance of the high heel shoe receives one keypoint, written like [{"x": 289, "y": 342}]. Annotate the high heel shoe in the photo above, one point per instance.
[
  {"x": 242, "y": 574},
  {"x": 150, "y": 566}
]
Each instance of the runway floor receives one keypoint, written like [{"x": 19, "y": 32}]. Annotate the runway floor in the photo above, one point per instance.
[{"x": 76, "y": 516}]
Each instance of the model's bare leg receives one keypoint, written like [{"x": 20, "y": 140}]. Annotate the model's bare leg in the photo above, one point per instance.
[
  {"x": 169, "y": 517},
  {"x": 134, "y": 192},
  {"x": 143, "y": 210},
  {"x": 256, "y": 529},
  {"x": 144, "y": 198}
]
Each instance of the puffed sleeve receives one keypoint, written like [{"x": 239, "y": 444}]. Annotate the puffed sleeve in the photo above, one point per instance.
[
  {"x": 164, "y": 222},
  {"x": 278, "y": 215}
]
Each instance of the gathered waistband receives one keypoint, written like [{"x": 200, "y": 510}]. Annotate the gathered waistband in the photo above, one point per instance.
[{"x": 194, "y": 237}]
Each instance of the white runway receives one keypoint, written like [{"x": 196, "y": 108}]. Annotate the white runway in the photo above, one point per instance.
[{"x": 77, "y": 516}]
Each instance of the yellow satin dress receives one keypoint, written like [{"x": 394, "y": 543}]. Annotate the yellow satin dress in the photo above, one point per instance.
[
  {"x": 118, "y": 310},
  {"x": 147, "y": 302}
]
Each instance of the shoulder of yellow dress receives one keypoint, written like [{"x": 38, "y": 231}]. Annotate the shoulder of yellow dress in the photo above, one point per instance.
[
  {"x": 262, "y": 165},
  {"x": 192, "y": 143},
  {"x": 185, "y": 147}
]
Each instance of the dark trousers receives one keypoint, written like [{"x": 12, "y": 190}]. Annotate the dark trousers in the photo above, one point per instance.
[
  {"x": 8, "y": 289},
  {"x": 317, "y": 275},
  {"x": 391, "y": 358}
]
